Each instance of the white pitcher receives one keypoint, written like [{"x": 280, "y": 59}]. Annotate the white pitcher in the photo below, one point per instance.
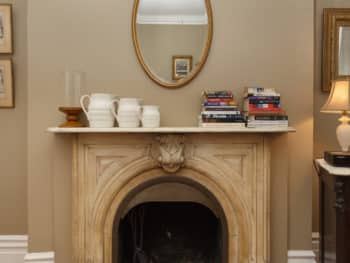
[
  {"x": 128, "y": 105},
  {"x": 150, "y": 116},
  {"x": 129, "y": 112},
  {"x": 100, "y": 111}
]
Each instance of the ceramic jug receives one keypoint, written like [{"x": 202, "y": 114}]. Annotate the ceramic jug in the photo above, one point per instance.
[
  {"x": 129, "y": 112},
  {"x": 100, "y": 110},
  {"x": 126, "y": 105},
  {"x": 150, "y": 116}
]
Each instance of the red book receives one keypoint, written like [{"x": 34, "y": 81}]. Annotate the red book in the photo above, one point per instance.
[
  {"x": 264, "y": 107},
  {"x": 257, "y": 111}
]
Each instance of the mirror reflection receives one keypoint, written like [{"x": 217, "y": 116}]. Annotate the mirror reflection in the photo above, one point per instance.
[
  {"x": 344, "y": 51},
  {"x": 172, "y": 37}
]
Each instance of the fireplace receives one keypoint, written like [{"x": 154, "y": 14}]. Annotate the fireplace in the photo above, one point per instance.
[{"x": 199, "y": 198}]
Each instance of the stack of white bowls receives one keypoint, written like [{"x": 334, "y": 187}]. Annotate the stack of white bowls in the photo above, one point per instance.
[
  {"x": 129, "y": 112},
  {"x": 100, "y": 110}
]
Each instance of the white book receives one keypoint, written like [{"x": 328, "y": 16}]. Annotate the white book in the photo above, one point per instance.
[
  {"x": 221, "y": 125},
  {"x": 268, "y": 121},
  {"x": 222, "y": 112},
  {"x": 254, "y": 125}
]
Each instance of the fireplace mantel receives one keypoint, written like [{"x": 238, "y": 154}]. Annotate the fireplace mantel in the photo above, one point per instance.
[
  {"x": 244, "y": 170},
  {"x": 172, "y": 130}
]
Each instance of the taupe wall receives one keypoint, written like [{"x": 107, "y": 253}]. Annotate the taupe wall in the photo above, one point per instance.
[
  {"x": 325, "y": 124},
  {"x": 250, "y": 47},
  {"x": 159, "y": 43},
  {"x": 13, "y": 135}
]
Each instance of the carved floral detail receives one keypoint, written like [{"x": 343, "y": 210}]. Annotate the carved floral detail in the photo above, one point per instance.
[{"x": 171, "y": 152}]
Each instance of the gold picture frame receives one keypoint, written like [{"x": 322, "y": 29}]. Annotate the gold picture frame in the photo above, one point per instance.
[
  {"x": 6, "y": 84},
  {"x": 334, "y": 18},
  {"x": 182, "y": 66},
  {"x": 6, "y": 43}
]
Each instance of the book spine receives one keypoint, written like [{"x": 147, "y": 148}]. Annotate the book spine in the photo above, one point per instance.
[
  {"x": 264, "y": 98},
  {"x": 257, "y": 101},
  {"x": 223, "y": 116},
  {"x": 222, "y": 120},
  {"x": 222, "y": 124},
  {"x": 268, "y": 118},
  {"x": 255, "y": 89},
  {"x": 223, "y": 93},
  {"x": 219, "y": 100},
  {"x": 272, "y": 107},
  {"x": 222, "y": 112},
  {"x": 262, "y": 94},
  {"x": 265, "y": 113},
  {"x": 213, "y": 96},
  {"x": 222, "y": 108},
  {"x": 218, "y": 104}
]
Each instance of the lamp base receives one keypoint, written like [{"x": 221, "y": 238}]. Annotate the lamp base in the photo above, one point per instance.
[
  {"x": 343, "y": 133},
  {"x": 72, "y": 117}
]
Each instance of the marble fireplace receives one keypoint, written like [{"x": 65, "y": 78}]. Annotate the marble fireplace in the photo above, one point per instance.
[{"x": 162, "y": 177}]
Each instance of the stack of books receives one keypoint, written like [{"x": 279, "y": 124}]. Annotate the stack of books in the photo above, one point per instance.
[
  {"x": 262, "y": 107},
  {"x": 219, "y": 109}
]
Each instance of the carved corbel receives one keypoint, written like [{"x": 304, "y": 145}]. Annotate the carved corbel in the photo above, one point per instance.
[{"x": 171, "y": 150}]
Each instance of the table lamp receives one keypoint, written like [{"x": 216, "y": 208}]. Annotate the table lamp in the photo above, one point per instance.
[{"x": 339, "y": 103}]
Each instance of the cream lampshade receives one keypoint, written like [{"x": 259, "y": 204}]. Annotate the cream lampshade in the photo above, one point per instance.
[{"x": 339, "y": 103}]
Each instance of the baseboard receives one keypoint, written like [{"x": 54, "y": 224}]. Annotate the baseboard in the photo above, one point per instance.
[
  {"x": 301, "y": 256},
  {"x": 13, "y": 248},
  {"x": 45, "y": 257},
  {"x": 316, "y": 244}
]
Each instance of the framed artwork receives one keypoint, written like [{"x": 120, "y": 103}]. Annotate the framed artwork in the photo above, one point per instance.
[
  {"x": 182, "y": 66},
  {"x": 6, "y": 29},
  {"x": 6, "y": 84}
]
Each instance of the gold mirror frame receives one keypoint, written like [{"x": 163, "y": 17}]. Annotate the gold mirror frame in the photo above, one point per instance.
[
  {"x": 333, "y": 19},
  {"x": 198, "y": 67}
]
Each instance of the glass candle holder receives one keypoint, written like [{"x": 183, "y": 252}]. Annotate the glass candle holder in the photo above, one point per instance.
[{"x": 74, "y": 88}]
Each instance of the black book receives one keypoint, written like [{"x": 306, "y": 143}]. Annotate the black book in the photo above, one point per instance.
[
  {"x": 223, "y": 116},
  {"x": 338, "y": 159},
  {"x": 212, "y": 120}
]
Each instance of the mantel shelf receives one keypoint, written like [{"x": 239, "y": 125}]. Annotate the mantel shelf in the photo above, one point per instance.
[{"x": 172, "y": 130}]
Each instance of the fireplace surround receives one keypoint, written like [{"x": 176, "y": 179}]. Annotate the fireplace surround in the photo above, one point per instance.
[{"x": 225, "y": 171}]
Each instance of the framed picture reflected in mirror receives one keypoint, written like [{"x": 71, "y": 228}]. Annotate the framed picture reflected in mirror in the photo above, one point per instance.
[{"x": 182, "y": 66}]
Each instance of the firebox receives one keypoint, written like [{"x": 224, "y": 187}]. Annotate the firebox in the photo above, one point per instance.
[{"x": 169, "y": 232}]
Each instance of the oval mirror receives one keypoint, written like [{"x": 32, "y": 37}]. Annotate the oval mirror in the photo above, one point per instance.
[{"x": 172, "y": 38}]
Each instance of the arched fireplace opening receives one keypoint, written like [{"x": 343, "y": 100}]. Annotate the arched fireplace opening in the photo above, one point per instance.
[
  {"x": 172, "y": 232},
  {"x": 170, "y": 222}
]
